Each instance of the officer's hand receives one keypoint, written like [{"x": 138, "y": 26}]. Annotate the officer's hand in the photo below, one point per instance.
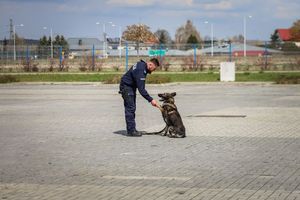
[{"x": 154, "y": 103}]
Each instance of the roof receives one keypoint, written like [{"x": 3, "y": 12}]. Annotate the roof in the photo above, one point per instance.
[
  {"x": 284, "y": 34},
  {"x": 235, "y": 47},
  {"x": 84, "y": 43}
]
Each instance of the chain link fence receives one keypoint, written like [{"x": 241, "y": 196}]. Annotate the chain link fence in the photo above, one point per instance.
[{"x": 173, "y": 57}]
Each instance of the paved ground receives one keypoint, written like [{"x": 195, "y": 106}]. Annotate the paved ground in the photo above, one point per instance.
[{"x": 67, "y": 142}]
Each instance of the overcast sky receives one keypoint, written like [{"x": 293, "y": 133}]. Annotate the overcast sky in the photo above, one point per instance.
[{"x": 77, "y": 18}]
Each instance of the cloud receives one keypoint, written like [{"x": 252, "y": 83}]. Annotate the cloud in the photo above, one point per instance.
[
  {"x": 222, "y": 5},
  {"x": 143, "y": 3},
  {"x": 286, "y": 10},
  {"x": 134, "y": 3},
  {"x": 72, "y": 8}
]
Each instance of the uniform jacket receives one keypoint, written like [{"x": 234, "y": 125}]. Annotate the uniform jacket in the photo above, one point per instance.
[{"x": 135, "y": 78}]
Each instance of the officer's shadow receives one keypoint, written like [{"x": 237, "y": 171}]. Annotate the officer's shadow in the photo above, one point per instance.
[{"x": 121, "y": 132}]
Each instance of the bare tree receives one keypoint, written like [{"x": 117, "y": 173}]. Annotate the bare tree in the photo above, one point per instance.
[
  {"x": 237, "y": 38},
  {"x": 185, "y": 31}
]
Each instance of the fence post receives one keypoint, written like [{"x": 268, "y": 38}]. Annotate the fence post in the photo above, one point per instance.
[
  {"x": 126, "y": 56},
  {"x": 93, "y": 58},
  {"x": 60, "y": 57},
  {"x": 160, "y": 52},
  {"x": 266, "y": 56},
  {"x": 195, "y": 55},
  {"x": 230, "y": 52},
  {"x": 27, "y": 55}
]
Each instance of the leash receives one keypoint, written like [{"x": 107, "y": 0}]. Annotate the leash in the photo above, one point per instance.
[
  {"x": 159, "y": 107},
  {"x": 167, "y": 104}
]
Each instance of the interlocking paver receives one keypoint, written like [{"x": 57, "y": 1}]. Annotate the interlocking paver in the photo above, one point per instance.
[{"x": 67, "y": 142}]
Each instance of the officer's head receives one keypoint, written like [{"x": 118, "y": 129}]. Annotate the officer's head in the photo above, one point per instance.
[{"x": 152, "y": 64}]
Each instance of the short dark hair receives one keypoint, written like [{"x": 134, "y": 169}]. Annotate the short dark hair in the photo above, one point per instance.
[{"x": 155, "y": 61}]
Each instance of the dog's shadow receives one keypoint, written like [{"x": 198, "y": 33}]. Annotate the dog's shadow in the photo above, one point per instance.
[{"x": 121, "y": 132}]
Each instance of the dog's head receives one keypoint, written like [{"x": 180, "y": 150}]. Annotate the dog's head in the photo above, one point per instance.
[{"x": 167, "y": 97}]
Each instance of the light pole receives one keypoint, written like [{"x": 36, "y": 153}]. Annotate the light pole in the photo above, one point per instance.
[
  {"x": 212, "y": 37},
  {"x": 120, "y": 39},
  {"x": 14, "y": 27},
  {"x": 51, "y": 41},
  {"x": 245, "y": 35},
  {"x": 104, "y": 37}
]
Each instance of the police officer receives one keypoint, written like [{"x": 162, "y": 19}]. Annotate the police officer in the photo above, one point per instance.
[{"x": 134, "y": 79}]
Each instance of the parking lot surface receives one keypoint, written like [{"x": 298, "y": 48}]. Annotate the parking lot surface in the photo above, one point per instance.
[{"x": 68, "y": 141}]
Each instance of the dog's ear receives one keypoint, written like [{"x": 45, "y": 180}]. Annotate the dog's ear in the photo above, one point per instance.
[{"x": 173, "y": 94}]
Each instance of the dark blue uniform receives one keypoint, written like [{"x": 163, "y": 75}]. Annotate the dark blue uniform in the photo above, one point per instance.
[{"x": 133, "y": 79}]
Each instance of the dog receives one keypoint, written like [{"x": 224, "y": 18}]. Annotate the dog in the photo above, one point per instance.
[{"x": 174, "y": 125}]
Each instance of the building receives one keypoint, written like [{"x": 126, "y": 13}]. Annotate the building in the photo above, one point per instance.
[
  {"x": 237, "y": 49},
  {"x": 79, "y": 47},
  {"x": 284, "y": 34}
]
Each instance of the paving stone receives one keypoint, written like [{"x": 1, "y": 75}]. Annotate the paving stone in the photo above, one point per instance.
[{"x": 68, "y": 142}]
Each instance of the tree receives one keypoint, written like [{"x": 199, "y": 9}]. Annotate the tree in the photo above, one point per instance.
[
  {"x": 163, "y": 36},
  {"x": 43, "y": 41},
  {"x": 60, "y": 41},
  {"x": 290, "y": 46},
  {"x": 19, "y": 40},
  {"x": 5, "y": 44},
  {"x": 275, "y": 41},
  {"x": 295, "y": 31},
  {"x": 192, "y": 40},
  {"x": 56, "y": 40},
  {"x": 184, "y": 32},
  {"x": 237, "y": 38},
  {"x": 139, "y": 33}
]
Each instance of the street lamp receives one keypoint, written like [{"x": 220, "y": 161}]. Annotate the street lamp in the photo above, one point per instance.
[
  {"x": 51, "y": 41},
  {"x": 14, "y": 27},
  {"x": 212, "y": 37},
  {"x": 245, "y": 34},
  {"x": 120, "y": 39},
  {"x": 104, "y": 37}
]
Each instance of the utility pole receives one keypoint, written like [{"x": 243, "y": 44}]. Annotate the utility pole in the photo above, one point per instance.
[{"x": 11, "y": 31}]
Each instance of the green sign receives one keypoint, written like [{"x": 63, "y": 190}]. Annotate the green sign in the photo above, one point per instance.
[{"x": 159, "y": 52}]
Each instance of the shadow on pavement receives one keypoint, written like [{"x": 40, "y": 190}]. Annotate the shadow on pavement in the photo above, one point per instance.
[{"x": 121, "y": 132}]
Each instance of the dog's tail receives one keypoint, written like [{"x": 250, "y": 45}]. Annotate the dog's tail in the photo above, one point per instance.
[{"x": 154, "y": 133}]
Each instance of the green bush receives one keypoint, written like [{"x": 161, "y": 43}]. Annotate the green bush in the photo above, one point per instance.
[{"x": 8, "y": 79}]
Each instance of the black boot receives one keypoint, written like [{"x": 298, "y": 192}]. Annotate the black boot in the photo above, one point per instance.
[
  {"x": 134, "y": 133},
  {"x": 142, "y": 132}
]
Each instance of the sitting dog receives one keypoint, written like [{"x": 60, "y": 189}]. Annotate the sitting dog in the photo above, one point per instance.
[{"x": 174, "y": 125}]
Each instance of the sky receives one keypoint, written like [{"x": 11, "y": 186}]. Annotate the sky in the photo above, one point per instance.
[{"x": 77, "y": 18}]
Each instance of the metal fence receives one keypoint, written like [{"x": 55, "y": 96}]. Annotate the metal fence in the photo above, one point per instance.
[{"x": 173, "y": 57}]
